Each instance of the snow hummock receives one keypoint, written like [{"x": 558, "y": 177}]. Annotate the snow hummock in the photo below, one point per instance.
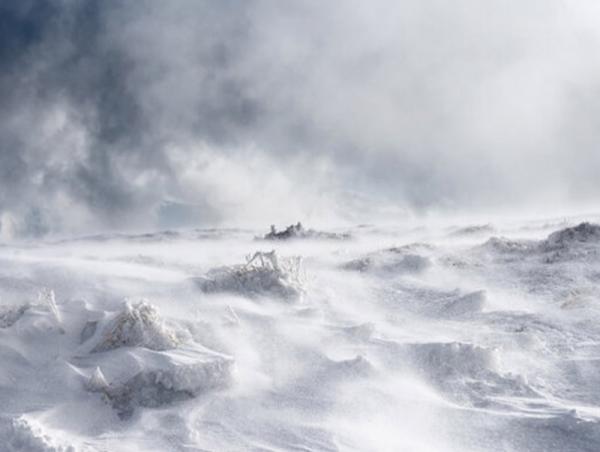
[
  {"x": 264, "y": 273},
  {"x": 133, "y": 378},
  {"x": 582, "y": 233},
  {"x": 137, "y": 325},
  {"x": 396, "y": 260}
]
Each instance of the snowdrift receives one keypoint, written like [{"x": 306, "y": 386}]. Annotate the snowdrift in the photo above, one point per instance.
[
  {"x": 442, "y": 345},
  {"x": 130, "y": 356},
  {"x": 131, "y": 378},
  {"x": 396, "y": 260},
  {"x": 137, "y": 325},
  {"x": 263, "y": 274}
]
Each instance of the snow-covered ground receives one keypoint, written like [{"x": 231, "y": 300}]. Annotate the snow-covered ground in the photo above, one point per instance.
[{"x": 470, "y": 337}]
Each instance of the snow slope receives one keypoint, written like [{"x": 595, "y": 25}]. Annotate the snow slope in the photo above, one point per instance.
[{"x": 440, "y": 337}]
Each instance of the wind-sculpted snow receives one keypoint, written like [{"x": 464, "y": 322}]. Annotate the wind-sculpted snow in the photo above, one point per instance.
[
  {"x": 395, "y": 260},
  {"x": 141, "y": 378},
  {"x": 582, "y": 233},
  {"x": 262, "y": 274},
  {"x": 428, "y": 339},
  {"x": 137, "y": 325}
]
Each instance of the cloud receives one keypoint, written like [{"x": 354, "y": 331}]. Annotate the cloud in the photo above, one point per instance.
[{"x": 234, "y": 111}]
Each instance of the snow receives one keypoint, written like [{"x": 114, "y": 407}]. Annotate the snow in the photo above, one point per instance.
[
  {"x": 262, "y": 274},
  {"x": 439, "y": 338}
]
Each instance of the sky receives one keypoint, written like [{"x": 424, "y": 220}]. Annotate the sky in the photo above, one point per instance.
[{"x": 141, "y": 115}]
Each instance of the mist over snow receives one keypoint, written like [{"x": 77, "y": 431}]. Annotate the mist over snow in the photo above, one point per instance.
[
  {"x": 318, "y": 226},
  {"x": 147, "y": 114}
]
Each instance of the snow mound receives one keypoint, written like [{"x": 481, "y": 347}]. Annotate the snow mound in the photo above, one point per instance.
[
  {"x": 392, "y": 260},
  {"x": 297, "y": 231},
  {"x": 137, "y": 325},
  {"x": 467, "y": 373},
  {"x": 473, "y": 230},
  {"x": 262, "y": 274},
  {"x": 128, "y": 379},
  {"x": 504, "y": 245},
  {"x": 26, "y": 435},
  {"x": 582, "y": 233}
]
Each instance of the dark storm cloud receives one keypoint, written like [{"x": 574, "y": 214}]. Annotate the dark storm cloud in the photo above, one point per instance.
[{"x": 119, "y": 113}]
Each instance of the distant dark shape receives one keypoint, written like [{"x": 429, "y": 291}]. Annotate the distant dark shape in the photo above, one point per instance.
[
  {"x": 472, "y": 230},
  {"x": 292, "y": 231},
  {"x": 297, "y": 231}
]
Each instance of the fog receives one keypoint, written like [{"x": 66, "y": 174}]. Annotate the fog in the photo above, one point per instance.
[{"x": 148, "y": 114}]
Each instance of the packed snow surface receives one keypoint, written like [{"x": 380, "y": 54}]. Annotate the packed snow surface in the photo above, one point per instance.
[{"x": 432, "y": 337}]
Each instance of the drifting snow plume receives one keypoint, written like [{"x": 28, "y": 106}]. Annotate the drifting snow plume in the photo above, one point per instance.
[
  {"x": 582, "y": 233},
  {"x": 466, "y": 372},
  {"x": 263, "y": 274},
  {"x": 138, "y": 325},
  {"x": 297, "y": 231}
]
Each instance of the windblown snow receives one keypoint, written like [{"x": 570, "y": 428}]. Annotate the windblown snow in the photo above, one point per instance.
[{"x": 462, "y": 337}]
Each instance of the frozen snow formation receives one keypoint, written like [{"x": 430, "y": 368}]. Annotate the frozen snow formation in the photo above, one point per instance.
[
  {"x": 139, "y": 362},
  {"x": 55, "y": 351},
  {"x": 582, "y": 233},
  {"x": 26, "y": 434},
  {"x": 466, "y": 372},
  {"x": 567, "y": 239},
  {"x": 396, "y": 260},
  {"x": 137, "y": 325},
  {"x": 264, "y": 273},
  {"x": 128, "y": 379},
  {"x": 413, "y": 339},
  {"x": 297, "y": 231}
]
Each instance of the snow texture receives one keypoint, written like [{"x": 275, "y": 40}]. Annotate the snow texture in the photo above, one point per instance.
[{"x": 433, "y": 339}]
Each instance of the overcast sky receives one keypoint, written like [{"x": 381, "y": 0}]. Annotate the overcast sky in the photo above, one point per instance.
[{"x": 149, "y": 114}]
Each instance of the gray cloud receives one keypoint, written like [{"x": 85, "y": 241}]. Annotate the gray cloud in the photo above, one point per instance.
[{"x": 138, "y": 114}]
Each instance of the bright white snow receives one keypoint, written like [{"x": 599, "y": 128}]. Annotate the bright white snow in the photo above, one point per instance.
[{"x": 434, "y": 338}]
